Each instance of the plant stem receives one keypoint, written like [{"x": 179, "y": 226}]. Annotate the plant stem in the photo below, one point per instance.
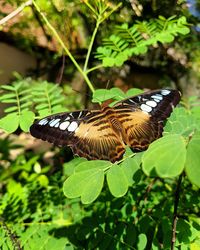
[
  {"x": 15, "y": 12},
  {"x": 94, "y": 68},
  {"x": 90, "y": 46},
  {"x": 18, "y": 102},
  {"x": 175, "y": 215},
  {"x": 64, "y": 47}
]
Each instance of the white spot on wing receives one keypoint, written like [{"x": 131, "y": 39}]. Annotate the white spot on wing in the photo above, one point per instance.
[
  {"x": 80, "y": 114},
  {"x": 54, "y": 122},
  {"x": 64, "y": 125},
  {"x": 165, "y": 92},
  {"x": 43, "y": 122},
  {"x": 67, "y": 118},
  {"x": 146, "y": 108},
  {"x": 157, "y": 96},
  {"x": 72, "y": 127},
  {"x": 151, "y": 104}
]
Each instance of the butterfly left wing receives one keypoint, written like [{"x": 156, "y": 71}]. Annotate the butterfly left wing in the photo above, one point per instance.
[
  {"x": 88, "y": 133},
  {"x": 142, "y": 116}
]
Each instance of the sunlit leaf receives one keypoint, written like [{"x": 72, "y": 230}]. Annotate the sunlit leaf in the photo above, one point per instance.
[
  {"x": 166, "y": 156},
  {"x": 193, "y": 159},
  {"x": 10, "y": 122},
  {"x": 26, "y": 120},
  {"x": 117, "y": 181},
  {"x": 87, "y": 184}
]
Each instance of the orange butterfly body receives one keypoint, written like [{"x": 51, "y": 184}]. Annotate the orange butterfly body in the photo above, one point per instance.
[{"x": 104, "y": 134}]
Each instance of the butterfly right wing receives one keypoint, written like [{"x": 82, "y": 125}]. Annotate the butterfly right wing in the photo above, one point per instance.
[
  {"x": 88, "y": 133},
  {"x": 142, "y": 116}
]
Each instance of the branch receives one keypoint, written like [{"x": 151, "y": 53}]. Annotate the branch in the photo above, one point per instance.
[
  {"x": 15, "y": 12},
  {"x": 54, "y": 32},
  {"x": 175, "y": 215}
]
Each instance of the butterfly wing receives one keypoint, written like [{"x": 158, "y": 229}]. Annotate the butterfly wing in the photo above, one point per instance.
[
  {"x": 142, "y": 116},
  {"x": 88, "y": 133}
]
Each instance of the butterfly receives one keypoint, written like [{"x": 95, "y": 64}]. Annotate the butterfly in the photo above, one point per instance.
[{"x": 104, "y": 134}]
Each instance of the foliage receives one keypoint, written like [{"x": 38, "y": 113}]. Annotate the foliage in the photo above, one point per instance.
[
  {"x": 25, "y": 96},
  {"x": 79, "y": 204},
  {"x": 135, "y": 40}
]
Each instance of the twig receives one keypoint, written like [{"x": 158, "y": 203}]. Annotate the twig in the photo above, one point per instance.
[
  {"x": 175, "y": 215},
  {"x": 15, "y": 12},
  {"x": 149, "y": 187},
  {"x": 54, "y": 32}
]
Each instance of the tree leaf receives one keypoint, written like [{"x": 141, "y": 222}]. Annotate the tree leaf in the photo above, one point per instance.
[
  {"x": 26, "y": 120},
  {"x": 10, "y": 122},
  {"x": 131, "y": 170},
  {"x": 134, "y": 91},
  {"x": 93, "y": 187},
  {"x": 7, "y": 96},
  {"x": 8, "y": 87},
  {"x": 117, "y": 181},
  {"x": 166, "y": 156},
  {"x": 193, "y": 159},
  {"x": 87, "y": 184},
  {"x": 97, "y": 164},
  {"x": 142, "y": 241},
  {"x": 11, "y": 109}
]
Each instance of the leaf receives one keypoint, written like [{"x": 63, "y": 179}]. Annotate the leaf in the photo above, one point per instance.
[
  {"x": 133, "y": 92},
  {"x": 93, "y": 187},
  {"x": 8, "y": 87},
  {"x": 142, "y": 241},
  {"x": 11, "y": 100},
  {"x": 117, "y": 181},
  {"x": 97, "y": 164},
  {"x": 193, "y": 159},
  {"x": 131, "y": 170},
  {"x": 7, "y": 96},
  {"x": 165, "y": 156},
  {"x": 87, "y": 184},
  {"x": 11, "y": 109},
  {"x": 10, "y": 122},
  {"x": 101, "y": 95},
  {"x": 26, "y": 120},
  {"x": 69, "y": 167},
  {"x": 181, "y": 122}
]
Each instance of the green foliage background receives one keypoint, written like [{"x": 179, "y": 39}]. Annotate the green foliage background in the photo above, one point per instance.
[{"x": 61, "y": 203}]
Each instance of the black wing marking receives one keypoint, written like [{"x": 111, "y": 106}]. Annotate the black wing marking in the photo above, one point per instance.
[
  {"x": 59, "y": 128},
  {"x": 159, "y": 103},
  {"x": 88, "y": 133}
]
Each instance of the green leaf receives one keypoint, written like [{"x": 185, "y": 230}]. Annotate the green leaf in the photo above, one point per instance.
[
  {"x": 97, "y": 164},
  {"x": 117, "y": 93},
  {"x": 93, "y": 187},
  {"x": 165, "y": 156},
  {"x": 142, "y": 241},
  {"x": 11, "y": 109},
  {"x": 8, "y": 87},
  {"x": 11, "y": 100},
  {"x": 69, "y": 167},
  {"x": 101, "y": 95},
  {"x": 193, "y": 159},
  {"x": 26, "y": 120},
  {"x": 10, "y": 122},
  {"x": 181, "y": 122},
  {"x": 7, "y": 96},
  {"x": 117, "y": 181},
  {"x": 87, "y": 184},
  {"x": 131, "y": 170},
  {"x": 133, "y": 92}
]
